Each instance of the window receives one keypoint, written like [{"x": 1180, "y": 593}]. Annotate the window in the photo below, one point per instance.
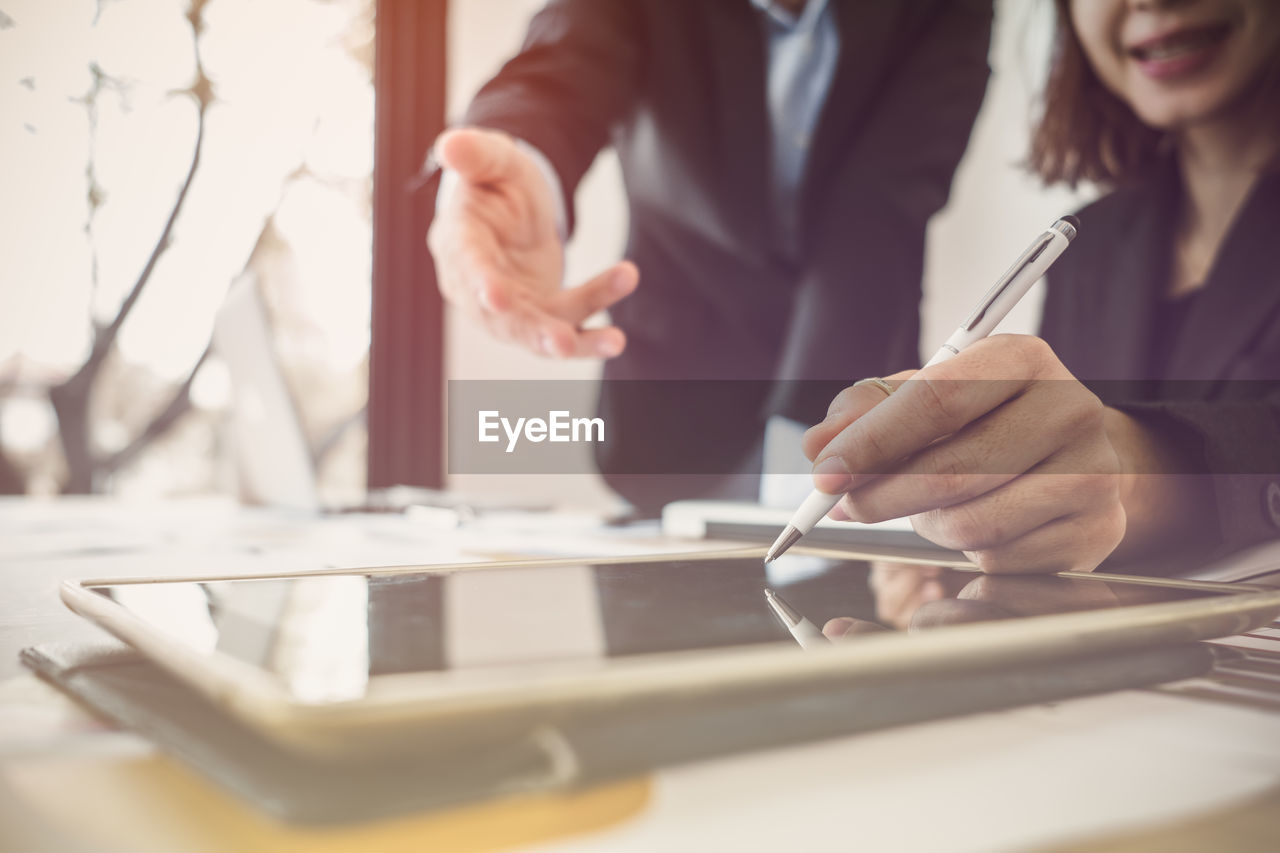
[{"x": 154, "y": 151}]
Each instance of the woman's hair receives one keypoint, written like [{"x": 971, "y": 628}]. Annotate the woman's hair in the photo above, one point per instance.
[{"x": 1086, "y": 132}]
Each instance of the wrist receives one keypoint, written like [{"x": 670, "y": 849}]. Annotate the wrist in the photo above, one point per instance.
[
  {"x": 1162, "y": 505},
  {"x": 1127, "y": 440}
]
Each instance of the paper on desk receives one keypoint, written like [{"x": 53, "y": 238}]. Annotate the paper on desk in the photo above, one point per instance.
[
  {"x": 1248, "y": 564},
  {"x": 549, "y": 536},
  {"x": 74, "y": 526},
  {"x": 101, "y": 539}
]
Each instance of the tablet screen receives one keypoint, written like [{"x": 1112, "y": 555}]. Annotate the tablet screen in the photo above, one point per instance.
[{"x": 327, "y": 638}]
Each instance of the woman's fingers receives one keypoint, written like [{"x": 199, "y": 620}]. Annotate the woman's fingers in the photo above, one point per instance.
[
  {"x": 1074, "y": 544},
  {"x": 1063, "y": 515},
  {"x": 982, "y": 456},
  {"x": 1012, "y": 511},
  {"x": 919, "y": 413},
  {"x": 998, "y": 453},
  {"x": 867, "y": 436},
  {"x": 849, "y": 405}
]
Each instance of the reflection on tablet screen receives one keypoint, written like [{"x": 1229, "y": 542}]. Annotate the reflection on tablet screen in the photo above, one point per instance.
[{"x": 324, "y": 637}]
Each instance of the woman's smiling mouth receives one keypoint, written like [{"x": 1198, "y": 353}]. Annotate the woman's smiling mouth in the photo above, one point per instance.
[{"x": 1179, "y": 53}]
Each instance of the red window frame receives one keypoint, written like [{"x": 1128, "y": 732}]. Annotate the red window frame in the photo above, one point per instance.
[{"x": 406, "y": 357}]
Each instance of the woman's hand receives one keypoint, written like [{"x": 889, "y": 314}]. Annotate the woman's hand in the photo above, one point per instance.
[{"x": 999, "y": 453}]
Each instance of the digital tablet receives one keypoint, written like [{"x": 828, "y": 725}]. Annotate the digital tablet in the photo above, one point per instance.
[{"x": 366, "y": 661}]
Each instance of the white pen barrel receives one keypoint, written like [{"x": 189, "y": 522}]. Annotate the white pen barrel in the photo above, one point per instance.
[
  {"x": 950, "y": 349},
  {"x": 809, "y": 636},
  {"x": 813, "y": 510},
  {"x": 1011, "y": 287}
]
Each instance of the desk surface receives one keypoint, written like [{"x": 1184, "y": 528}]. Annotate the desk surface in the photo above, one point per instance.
[{"x": 1152, "y": 763}]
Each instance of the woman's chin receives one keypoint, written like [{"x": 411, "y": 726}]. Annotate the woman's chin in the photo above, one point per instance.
[{"x": 1175, "y": 115}]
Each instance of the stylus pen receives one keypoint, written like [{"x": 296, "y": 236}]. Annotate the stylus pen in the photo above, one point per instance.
[
  {"x": 994, "y": 307},
  {"x": 807, "y": 634}
]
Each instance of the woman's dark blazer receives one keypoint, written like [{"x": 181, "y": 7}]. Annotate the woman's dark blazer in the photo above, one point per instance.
[{"x": 1219, "y": 391}]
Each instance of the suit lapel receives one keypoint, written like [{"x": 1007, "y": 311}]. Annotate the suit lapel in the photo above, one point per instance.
[
  {"x": 1241, "y": 293},
  {"x": 865, "y": 30},
  {"x": 740, "y": 111}
]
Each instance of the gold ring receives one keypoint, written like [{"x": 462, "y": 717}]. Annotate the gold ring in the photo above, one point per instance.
[{"x": 877, "y": 382}]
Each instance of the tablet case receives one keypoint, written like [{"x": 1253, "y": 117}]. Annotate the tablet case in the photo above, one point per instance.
[{"x": 118, "y": 683}]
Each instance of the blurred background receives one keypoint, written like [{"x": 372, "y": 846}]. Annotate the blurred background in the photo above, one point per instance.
[
  {"x": 250, "y": 125},
  {"x": 156, "y": 150}
]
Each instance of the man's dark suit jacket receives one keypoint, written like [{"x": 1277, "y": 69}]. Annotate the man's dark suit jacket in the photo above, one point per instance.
[
  {"x": 1218, "y": 394},
  {"x": 678, "y": 86}
]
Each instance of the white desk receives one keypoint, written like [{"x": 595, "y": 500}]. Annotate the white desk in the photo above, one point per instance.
[{"x": 1091, "y": 768}]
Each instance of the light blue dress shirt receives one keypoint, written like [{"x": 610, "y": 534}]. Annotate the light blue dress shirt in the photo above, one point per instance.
[{"x": 802, "y": 54}]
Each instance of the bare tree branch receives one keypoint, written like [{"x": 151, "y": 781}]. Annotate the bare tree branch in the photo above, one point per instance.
[
  {"x": 96, "y": 194},
  {"x": 334, "y": 436},
  {"x": 201, "y": 92},
  {"x": 106, "y": 338},
  {"x": 179, "y": 404},
  {"x": 71, "y": 398}
]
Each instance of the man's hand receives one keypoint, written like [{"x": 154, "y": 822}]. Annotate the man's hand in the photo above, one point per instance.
[
  {"x": 999, "y": 453},
  {"x": 500, "y": 259}
]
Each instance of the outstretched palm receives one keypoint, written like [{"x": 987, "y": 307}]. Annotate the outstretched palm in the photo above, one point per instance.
[{"x": 501, "y": 259}]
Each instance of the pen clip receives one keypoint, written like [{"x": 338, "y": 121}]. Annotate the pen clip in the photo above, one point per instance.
[{"x": 997, "y": 290}]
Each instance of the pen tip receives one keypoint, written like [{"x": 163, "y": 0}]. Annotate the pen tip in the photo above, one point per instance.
[{"x": 789, "y": 537}]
